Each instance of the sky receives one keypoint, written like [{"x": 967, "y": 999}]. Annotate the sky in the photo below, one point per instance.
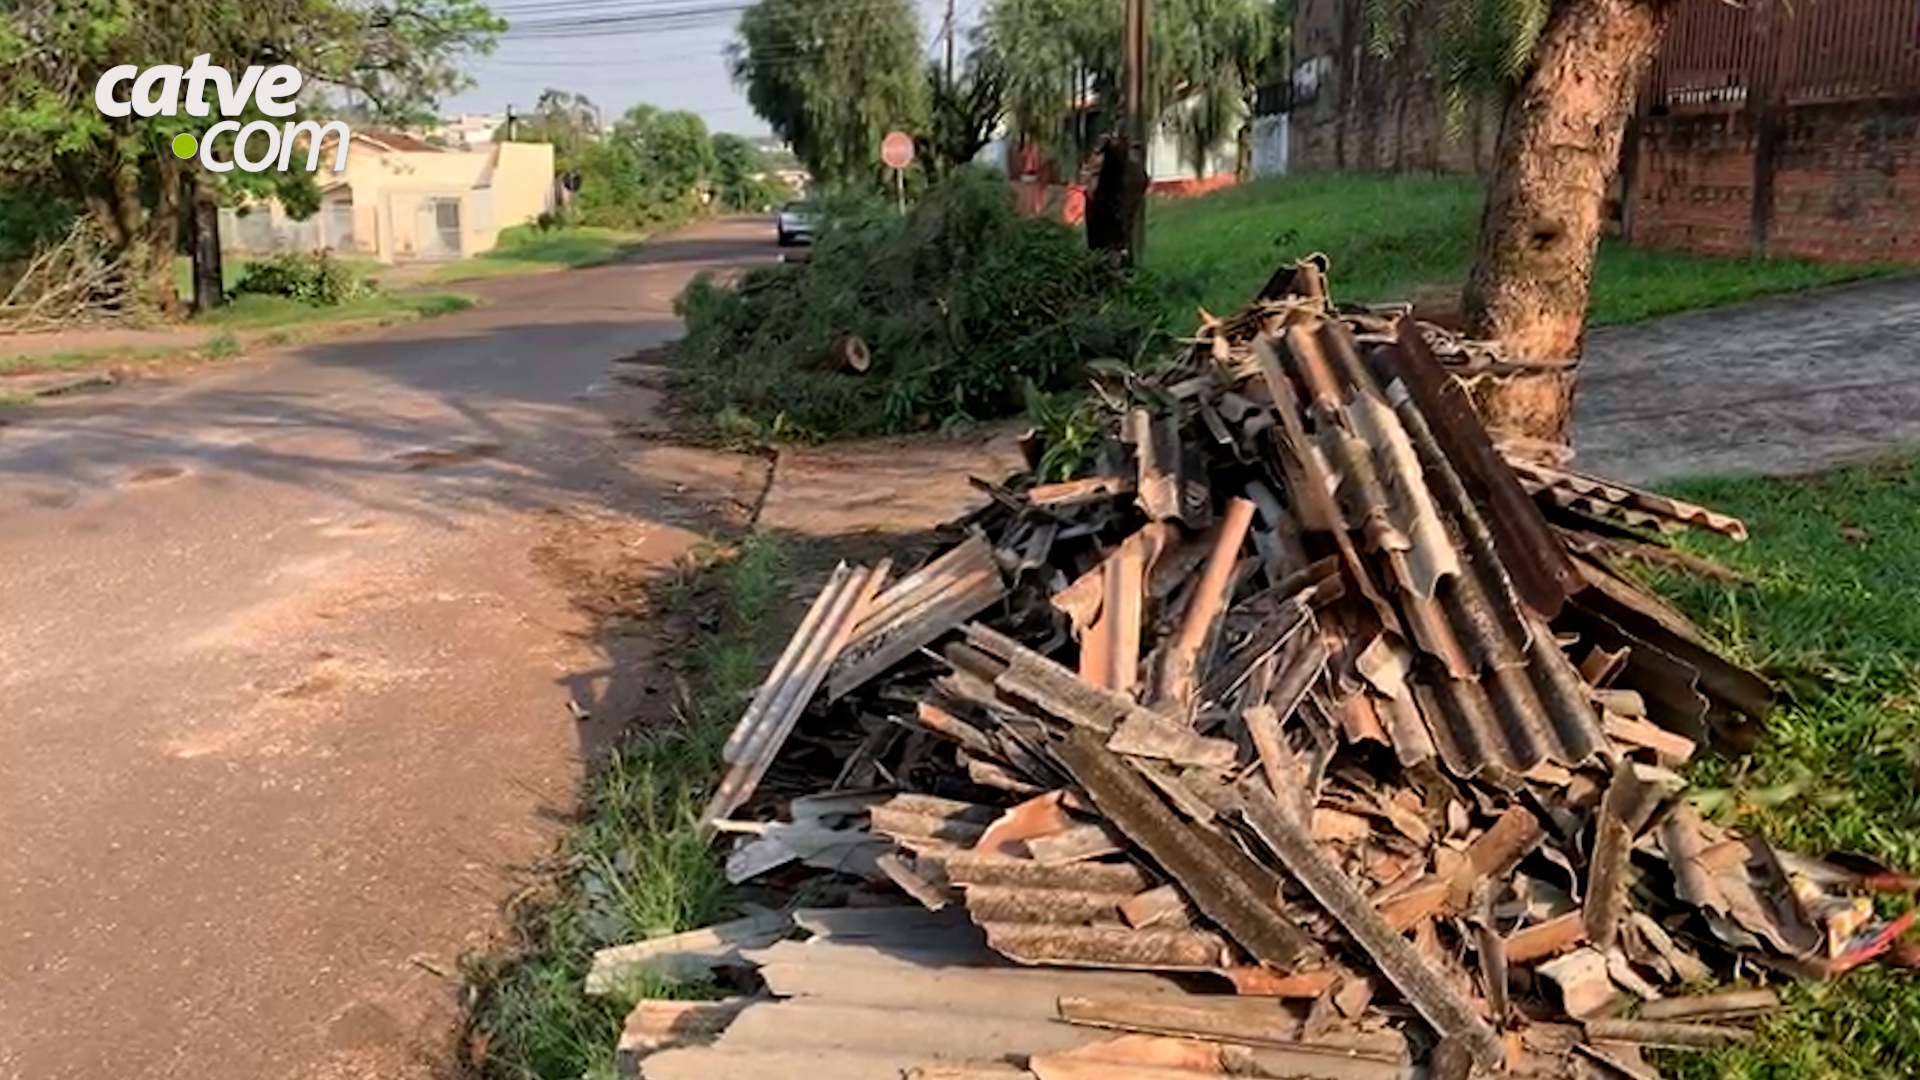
[{"x": 585, "y": 49}]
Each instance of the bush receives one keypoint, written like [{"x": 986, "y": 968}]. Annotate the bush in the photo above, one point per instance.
[
  {"x": 315, "y": 278},
  {"x": 965, "y": 304}
]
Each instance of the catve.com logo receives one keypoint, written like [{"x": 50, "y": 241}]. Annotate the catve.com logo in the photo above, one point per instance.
[{"x": 162, "y": 89}]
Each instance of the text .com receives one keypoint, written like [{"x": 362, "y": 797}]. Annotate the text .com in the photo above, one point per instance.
[{"x": 162, "y": 90}]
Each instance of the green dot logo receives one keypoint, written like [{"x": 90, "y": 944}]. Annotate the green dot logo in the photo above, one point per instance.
[{"x": 184, "y": 145}]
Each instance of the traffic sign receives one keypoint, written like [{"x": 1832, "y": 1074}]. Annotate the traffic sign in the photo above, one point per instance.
[{"x": 897, "y": 149}]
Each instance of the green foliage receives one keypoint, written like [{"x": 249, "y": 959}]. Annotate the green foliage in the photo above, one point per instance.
[
  {"x": 398, "y": 59},
  {"x": 965, "y": 115},
  {"x": 315, "y": 278},
  {"x": 1389, "y": 236},
  {"x": 1481, "y": 48},
  {"x": 636, "y": 866},
  {"x": 569, "y": 121},
  {"x": 649, "y": 170},
  {"x": 31, "y": 218},
  {"x": 1833, "y": 612},
  {"x": 222, "y": 346},
  {"x": 962, "y": 302},
  {"x": 741, "y": 179},
  {"x": 832, "y": 78},
  {"x": 1213, "y": 54}
]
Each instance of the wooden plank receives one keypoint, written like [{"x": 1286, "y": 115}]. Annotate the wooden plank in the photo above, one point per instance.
[
  {"x": 1178, "y": 682},
  {"x": 690, "y": 955},
  {"x": 721, "y": 1063},
  {"x": 1722, "y": 1005},
  {"x": 1545, "y": 939},
  {"x": 1242, "y": 1020},
  {"x": 1632, "y": 796},
  {"x": 1667, "y": 745},
  {"x": 1075, "y": 844},
  {"x": 1671, "y": 1036},
  {"x": 1437, "y": 1001},
  {"x": 1058, "y": 691},
  {"x": 1162, "y": 906},
  {"x": 656, "y": 1025},
  {"x": 1228, "y": 886},
  {"x": 892, "y": 922},
  {"x": 1118, "y": 947},
  {"x": 1126, "y": 588},
  {"x": 885, "y": 982},
  {"x": 909, "y": 1037},
  {"x": 1581, "y": 976}
]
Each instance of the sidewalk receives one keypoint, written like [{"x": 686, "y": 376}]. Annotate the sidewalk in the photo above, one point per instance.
[{"x": 1789, "y": 384}]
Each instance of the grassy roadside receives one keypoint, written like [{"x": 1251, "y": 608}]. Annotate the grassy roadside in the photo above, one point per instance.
[
  {"x": 1833, "y": 612},
  {"x": 525, "y": 249},
  {"x": 633, "y": 865},
  {"x": 249, "y": 324},
  {"x": 1389, "y": 236}
]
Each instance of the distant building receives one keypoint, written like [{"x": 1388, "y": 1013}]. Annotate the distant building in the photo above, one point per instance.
[
  {"x": 402, "y": 199},
  {"x": 467, "y": 131}
]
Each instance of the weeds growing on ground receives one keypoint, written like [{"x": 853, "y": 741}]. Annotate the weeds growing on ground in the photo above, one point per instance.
[
  {"x": 634, "y": 866},
  {"x": 1833, "y": 614}
]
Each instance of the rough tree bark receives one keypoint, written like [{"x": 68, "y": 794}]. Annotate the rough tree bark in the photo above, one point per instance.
[
  {"x": 1559, "y": 146},
  {"x": 209, "y": 285}
]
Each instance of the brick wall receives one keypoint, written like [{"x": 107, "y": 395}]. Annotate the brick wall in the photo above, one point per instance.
[{"x": 1838, "y": 182}]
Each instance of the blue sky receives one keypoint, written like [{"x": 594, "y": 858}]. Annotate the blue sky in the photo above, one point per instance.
[{"x": 674, "y": 69}]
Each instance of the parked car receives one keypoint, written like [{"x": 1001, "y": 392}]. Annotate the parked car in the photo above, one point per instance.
[{"x": 795, "y": 224}]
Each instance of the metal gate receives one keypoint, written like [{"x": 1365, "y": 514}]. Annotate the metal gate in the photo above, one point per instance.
[
  {"x": 439, "y": 228},
  {"x": 338, "y": 226}
]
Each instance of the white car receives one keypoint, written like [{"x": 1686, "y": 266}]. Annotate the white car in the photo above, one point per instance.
[{"x": 795, "y": 224}]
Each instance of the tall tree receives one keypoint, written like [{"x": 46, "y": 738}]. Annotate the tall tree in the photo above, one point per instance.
[
  {"x": 832, "y": 78},
  {"x": 566, "y": 120},
  {"x": 1559, "y": 147},
  {"x": 1060, "y": 60},
  {"x": 740, "y": 180},
  {"x": 396, "y": 56},
  {"x": 965, "y": 112},
  {"x": 1565, "y": 72}
]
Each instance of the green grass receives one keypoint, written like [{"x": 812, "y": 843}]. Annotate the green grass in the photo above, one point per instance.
[
  {"x": 525, "y": 249},
  {"x": 1387, "y": 236},
  {"x": 233, "y": 267},
  {"x": 252, "y": 311},
  {"x": 635, "y": 865},
  {"x": 1835, "y": 616},
  {"x": 253, "y": 321},
  {"x": 82, "y": 358}
]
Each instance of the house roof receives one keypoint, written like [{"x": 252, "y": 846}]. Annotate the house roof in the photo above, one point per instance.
[{"x": 397, "y": 142}]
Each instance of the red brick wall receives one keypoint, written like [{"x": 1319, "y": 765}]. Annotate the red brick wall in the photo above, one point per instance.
[{"x": 1844, "y": 178}]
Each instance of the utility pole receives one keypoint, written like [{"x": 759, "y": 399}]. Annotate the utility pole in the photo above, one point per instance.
[
  {"x": 949, "y": 33},
  {"x": 1134, "y": 86}
]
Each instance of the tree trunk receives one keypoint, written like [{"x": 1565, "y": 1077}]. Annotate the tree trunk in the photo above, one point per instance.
[
  {"x": 209, "y": 285},
  {"x": 161, "y": 238},
  {"x": 1559, "y": 146}
]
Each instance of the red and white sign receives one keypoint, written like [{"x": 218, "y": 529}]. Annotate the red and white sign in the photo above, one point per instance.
[{"x": 897, "y": 149}]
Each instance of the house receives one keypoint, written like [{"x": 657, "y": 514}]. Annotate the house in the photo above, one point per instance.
[
  {"x": 467, "y": 131},
  {"x": 401, "y": 199}
]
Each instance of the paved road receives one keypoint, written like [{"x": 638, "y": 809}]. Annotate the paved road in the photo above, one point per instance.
[
  {"x": 284, "y": 677},
  {"x": 1784, "y": 385}
]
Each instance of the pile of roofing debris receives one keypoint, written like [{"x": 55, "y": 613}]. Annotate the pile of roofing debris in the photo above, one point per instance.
[{"x": 1324, "y": 733}]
